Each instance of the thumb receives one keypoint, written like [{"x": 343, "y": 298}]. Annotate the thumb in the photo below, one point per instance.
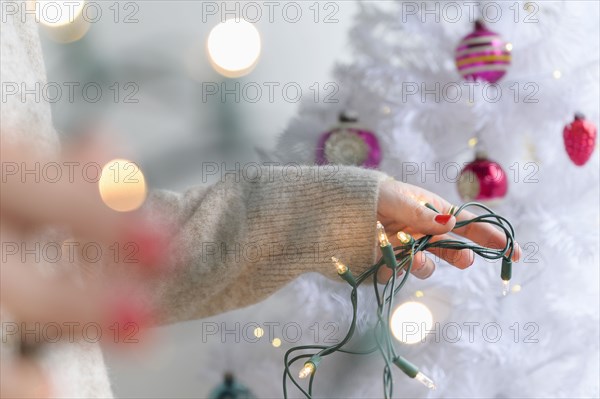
[{"x": 424, "y": 220}]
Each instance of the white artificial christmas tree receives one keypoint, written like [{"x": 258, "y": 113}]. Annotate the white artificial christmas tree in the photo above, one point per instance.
[{"x": 404, "y": 86}]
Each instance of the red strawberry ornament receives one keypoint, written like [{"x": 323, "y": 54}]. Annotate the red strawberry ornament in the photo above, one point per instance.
[{"x": 580, "y": 139}]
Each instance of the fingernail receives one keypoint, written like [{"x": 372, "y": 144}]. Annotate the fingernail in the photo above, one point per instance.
[
  {"x": 442, "y": 219},
  {"x": 150, "y": 248},
  {"x": 125, "y": 311},
  {"x": 129, "y": 319}
]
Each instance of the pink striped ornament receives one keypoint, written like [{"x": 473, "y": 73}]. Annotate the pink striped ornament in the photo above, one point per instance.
[{"x": 482, "y": 55}]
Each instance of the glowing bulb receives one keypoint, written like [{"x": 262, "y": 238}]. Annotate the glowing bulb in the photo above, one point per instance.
[
  {"x": 122, "y": 185},
  {"x": 556, "y": 74},
  {"x": 63, "y": 21},
  {"x": 234, "y": 47},
  {"x": 419, "y": 294},
  {"x": 473, "y": 142},
  {"x": 529, "y": 7},
  {"x": 410, "y": 322},
  {"x": 509, "y": 46},
  {"x": 56, "y": 13},
  {"x": 423, "y": 379},
  {"x": 505, "y": 287},
  {"x": 381, "y": 236},
  {"x": 404, "y": 237},
  {"x": 341, "y": 268},
  {"x": 516, "y": 288},
  {"x": 276, "y": 342},
  {"x": 307, "y": 370},
  {"x": 259, "y": 332}
]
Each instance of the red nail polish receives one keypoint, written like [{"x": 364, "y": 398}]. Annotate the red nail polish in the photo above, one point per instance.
[
  {"x": 129, "y": 315},
  {"x": 442, "y": 219},
  {"x": 125, "y": 310},
  {"x": 147, "y": 247}
]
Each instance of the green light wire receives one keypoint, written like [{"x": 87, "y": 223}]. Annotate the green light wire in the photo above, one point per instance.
[{"x": 404, "y": 254}]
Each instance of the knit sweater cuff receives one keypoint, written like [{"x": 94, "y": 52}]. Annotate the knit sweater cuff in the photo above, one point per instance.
[{"x": 306, "y": 216}]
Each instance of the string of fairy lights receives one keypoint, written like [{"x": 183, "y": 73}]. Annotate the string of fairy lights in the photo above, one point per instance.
[{"x": 398, "y": 259}]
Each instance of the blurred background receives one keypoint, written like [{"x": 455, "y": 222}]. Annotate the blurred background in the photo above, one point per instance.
[{"x": 162, "y": 99}]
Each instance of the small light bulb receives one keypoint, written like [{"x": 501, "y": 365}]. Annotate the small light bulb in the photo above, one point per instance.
[
  {"x": 276, "y": 343},
  {"x": 529, "y": 7},
  {"x": 307, "y": 370},
  {"x": 473, "y": 142},
  {"x": 341, "y": 268},
  {"x": 556, "y": 74},
  {"x": 259, "y": 332},
  {"x": 516, "y": 288},
  {"x": 509, "y": 46},
  {"x": 423, "y": 379},
  {"x": 419, "y": 294},
  {"x": 383, "y": 240},
  {"x": 404, "y": 237},
  {"x": 505, "y": 287}
]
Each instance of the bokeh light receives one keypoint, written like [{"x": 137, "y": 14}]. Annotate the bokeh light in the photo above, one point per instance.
[
  {"x": 58, "y": 13},
  {"x": 62, "y": 21},
  {"x": 234, "y": 47},
  {"x": 276, "y": 342},
  {"x": 122, "y": 185},
  {"x": 411, "y": 322},
  {"x": 259, "y": 332}
]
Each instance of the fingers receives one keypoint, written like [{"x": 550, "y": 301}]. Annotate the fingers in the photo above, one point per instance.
[
  {"x": 400, "y": 207},
  {"x": 36, "y": 301},
  {"x": 462, "y": 258},
  {"x": 23, "y": 379},
  {"x": 484, "y": 234},
  {"x": 422, "y": 219},
  {"x": 418, "y": 218},
  {"x": 423, "y": 267},
  {"x": 40, "y": 191},
  {"x": 70, "y": 197}
]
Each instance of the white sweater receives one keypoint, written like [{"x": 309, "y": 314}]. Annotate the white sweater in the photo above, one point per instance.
[{"x": 340, "y": 212}]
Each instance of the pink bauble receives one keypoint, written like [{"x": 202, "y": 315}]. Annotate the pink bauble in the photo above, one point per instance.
[
  {"x": 580, "y": 139},
  {"x": 349, "y": 144},
  {"x": 483, "y": 55},
  {"x": 482, "y": 180}
]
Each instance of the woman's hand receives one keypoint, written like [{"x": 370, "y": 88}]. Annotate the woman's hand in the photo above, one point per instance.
[
  {"x": 29, "y": 205},
  {"x": 400, "y": 208}
]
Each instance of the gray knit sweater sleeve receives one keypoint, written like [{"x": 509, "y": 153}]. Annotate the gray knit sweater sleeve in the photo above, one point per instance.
[{"x": 240, "y": 240}]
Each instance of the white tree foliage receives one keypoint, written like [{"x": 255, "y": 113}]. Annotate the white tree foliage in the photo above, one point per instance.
[{"x": 542, "y": 341}]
